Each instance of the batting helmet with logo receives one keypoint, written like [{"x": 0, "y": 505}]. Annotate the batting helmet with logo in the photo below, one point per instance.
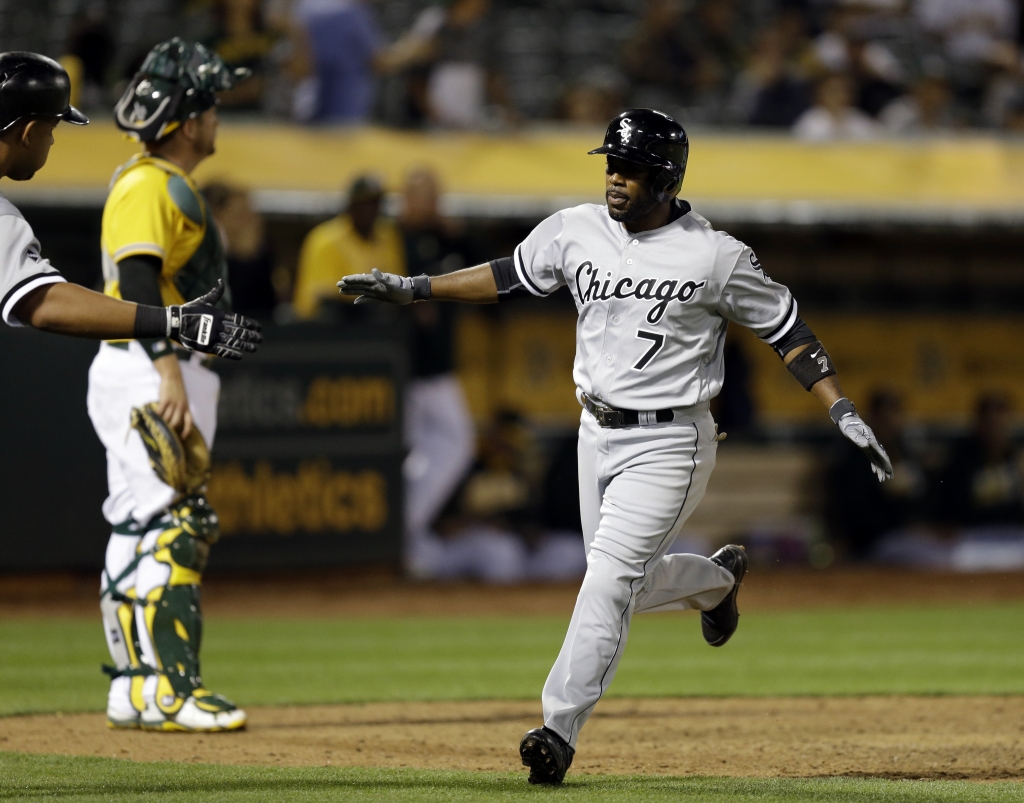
[
  {"x": 654, "y": 139},
  {"x": 33, "y": 86}
]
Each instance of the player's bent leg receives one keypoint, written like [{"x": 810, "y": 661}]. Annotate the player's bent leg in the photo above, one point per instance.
[
  {"x": 117, "y": 607},
  {"x": 683, "y": 582},
  {"x": 171, "y": 624}
]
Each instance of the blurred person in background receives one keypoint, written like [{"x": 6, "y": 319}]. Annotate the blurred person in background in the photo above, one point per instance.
[
  {"x": 596, "y": 96},
  {"x": 833, "y": 116},
  {"x": 659, "y": 58},
  {"x": 250, "y": 256},
  {"x": 927, "y": 108},
  {"x": 481, "y": 535},
  {"x": 861, "y": 511},
  {"x": 773, "y": 89},
  {"x": 355, "y": 241},
  {"x": 91, "y": 42},
  {"x": 342, "y": 40},
  {"x": 457, "y": 46},
  {"x": 438, "y": 427},
  {"x": 982, "y": 486},
  {"x": 243, "y": 38},
  {"x": 972, "y": 31},
  {"x": 978, "y": 38},
  {"x": 512, "y": 519}
]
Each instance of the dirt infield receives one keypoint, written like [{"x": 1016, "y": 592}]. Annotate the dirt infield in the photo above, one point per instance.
[
  {"x": 973, "y": 738},
  {"x": 320, "y": 593}
]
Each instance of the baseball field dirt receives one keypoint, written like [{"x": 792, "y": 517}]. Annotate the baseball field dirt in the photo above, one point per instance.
[{"x": 969, "y": 738}]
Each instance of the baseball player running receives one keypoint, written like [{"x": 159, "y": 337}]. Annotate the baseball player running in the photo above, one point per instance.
[
  {"x": 655, "y": 287},
  {"x": 34, "y": 99},
  {"x": 160, "y": 245}
]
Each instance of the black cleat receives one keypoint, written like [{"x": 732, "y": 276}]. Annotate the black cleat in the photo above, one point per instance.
[
  {"x": 547, "y": 755},
  {"x": 721, "y": 622}
]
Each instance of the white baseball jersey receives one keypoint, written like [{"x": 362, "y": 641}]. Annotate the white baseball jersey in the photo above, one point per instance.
[
  {"x": 653, "y": 306},
  {"x": 22, "y": 269}
]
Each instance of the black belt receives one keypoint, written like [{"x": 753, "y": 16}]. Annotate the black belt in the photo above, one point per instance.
[{"x": 614, "y": 417}]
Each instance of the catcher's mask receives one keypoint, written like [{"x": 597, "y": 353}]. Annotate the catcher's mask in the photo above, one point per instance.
[
  {"x": 653, "y": 139},
  {"x": 176, "y": 82}
]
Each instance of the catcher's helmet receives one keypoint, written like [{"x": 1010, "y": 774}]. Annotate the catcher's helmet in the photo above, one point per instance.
[
  {"x": 177, "y": 81},
  {"x": 654, "y": 139},
  {"x": 32, "y": 85}
]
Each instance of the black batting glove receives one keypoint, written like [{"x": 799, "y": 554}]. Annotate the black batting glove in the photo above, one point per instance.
[{"x": 200, "y": 326}]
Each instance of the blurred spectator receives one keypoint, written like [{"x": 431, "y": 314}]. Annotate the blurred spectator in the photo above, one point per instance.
[
  {"x": 250, "y": 257},
  {"x": 343, "y": 41},
  {"x": 595, "y": 98},
  {"x": 834, "y": 116},
  {"x": 972, "y": 31},
  {"x": 927, "y": 109},
  {"x": 242, "y": 38},
  {"x": 356, "y": 241},
  {"x": 659, "y": 56},
  {"x": 438, "y": 426},
  {"x": 493, "y": 531},
  {"x": 860, "y": 510},
  {"x": 983, "y": 486},
  {"x": 773, "y": 89},
  {"x": 464, "y": 88},
  {"x": 92, "y": 43}
]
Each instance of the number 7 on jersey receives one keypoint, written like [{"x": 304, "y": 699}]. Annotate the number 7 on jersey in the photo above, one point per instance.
[{"x": 657, "y": 341}]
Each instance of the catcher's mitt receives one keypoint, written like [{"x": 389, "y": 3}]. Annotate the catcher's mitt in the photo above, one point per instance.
[{"x": 185, "y": 466}]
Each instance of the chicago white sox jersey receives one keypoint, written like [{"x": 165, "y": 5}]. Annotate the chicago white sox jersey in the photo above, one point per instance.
[
  {"x": 22, "y": 270},
  {"x": 653, "y": 307}
]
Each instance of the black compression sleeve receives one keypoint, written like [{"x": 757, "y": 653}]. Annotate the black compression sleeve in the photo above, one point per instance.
[
  {"x": 506, "y": 279},
  {"x": 798, "y": 335},
  {"x": 139, "y": 282}
]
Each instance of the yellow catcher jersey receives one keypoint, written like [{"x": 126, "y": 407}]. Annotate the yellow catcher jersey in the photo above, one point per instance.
[{"x": 155, "y": 209}]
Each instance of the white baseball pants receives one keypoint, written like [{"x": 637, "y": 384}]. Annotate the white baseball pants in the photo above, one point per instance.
[
  {"x": 638, "y": 485},
  {"x": 120, "y": 379}
]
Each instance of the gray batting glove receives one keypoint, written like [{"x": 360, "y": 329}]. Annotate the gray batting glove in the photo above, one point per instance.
[
  {"x": 388, "y": 287},
  {"x": 853, "y": 427}
]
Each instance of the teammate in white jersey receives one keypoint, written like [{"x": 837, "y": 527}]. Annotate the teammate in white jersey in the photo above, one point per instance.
[
  {"x": 655, "y": 287},
  {"x": 34, "y": 98}
]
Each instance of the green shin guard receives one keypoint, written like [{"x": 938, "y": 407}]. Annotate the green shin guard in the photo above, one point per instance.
[{"x": 176, "y": 630}]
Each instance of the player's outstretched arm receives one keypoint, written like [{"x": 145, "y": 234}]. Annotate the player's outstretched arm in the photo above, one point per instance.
[
  {"x": 70, "y": 309},
  {"x": 471, "y": 285},
  {"x": 807, "y": 362}
]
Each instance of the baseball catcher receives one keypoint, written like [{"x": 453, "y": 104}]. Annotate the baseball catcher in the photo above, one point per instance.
[
  {"x": 154, "y": 404},
  {"x": 655, "y": 287}
]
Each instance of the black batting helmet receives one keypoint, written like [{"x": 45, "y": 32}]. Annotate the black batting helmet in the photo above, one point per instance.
[
  {"x": 654, "y": 139},
  {"x": 32, "y": 85}
]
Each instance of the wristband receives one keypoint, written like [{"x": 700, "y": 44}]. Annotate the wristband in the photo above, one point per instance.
[
  {"x": 841, "y": 409},
  {"x": 421, "y": 287},
  {"x": 150, "y": 322},
  {"x": 812, "y": 365}
]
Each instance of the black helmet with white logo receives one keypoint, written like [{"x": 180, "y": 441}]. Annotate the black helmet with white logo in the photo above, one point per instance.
[
  {"x": 32, "y": 85},
  {"x": 650, "y": 138}
]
